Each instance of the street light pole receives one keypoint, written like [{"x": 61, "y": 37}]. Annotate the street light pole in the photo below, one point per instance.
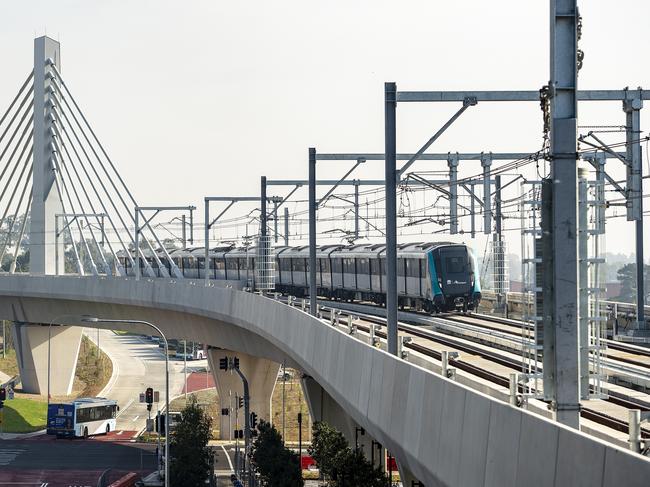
[{"x": 93, "y": 319}]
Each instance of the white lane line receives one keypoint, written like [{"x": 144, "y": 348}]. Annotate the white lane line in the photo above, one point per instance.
[
  {"x": 232, "y": 469},
  {"x": 124, "y": 408},
  {"x": 7, "y": 456},
  {"x": 136, "y": 418}
]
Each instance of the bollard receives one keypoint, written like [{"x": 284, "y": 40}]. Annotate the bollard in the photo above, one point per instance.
[
  {"x": 401, "y": 353},
  {"x": 290, "y": 300},
  {"x": 374, "y": 340},
  {"x": 444, "y": 359},
  {"x": 513, "y": 389},
  {"x": 303, "y": 304},
  {"x": 448, "y": 372},
  {"x": 634, "y": 420},
  {"x": 332, "y": 317},
  {"x": 318, "y": 313}
]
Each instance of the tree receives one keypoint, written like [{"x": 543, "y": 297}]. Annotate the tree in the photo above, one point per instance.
[
  {"x": 191, "y": 458},
  {"x": 278, "y": 466},
  {"x": 340, "y": 464},
  {"x": 626, "y": 275}
]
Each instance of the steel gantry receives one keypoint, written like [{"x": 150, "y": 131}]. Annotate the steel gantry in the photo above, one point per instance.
[
  {"x": 138, "y": 212},
  {"x": 563, "y": 347}
]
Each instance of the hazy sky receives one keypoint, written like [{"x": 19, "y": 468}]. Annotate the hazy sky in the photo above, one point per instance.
[{"x": 198, "y": 98}]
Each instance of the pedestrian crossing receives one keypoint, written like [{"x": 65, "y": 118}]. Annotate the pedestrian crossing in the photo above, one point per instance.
[{"x": 8, "y": 455}]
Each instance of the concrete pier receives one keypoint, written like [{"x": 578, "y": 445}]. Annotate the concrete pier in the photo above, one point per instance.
[
  {"x": 261, "y": 374},
  {"x": 31, "y": 343}
]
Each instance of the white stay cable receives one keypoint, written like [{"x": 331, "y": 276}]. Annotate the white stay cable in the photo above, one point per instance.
[
  {"x": 69, "y": 162},
  {"x": 59, "y": 164},
  {"x": 12, "y": 269},
  {"x": 119, "y": 195},
  {"x": 119, "y": 177}
]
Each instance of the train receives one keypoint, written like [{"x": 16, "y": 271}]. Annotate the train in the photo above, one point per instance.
[{"x": 432, "y": 276}]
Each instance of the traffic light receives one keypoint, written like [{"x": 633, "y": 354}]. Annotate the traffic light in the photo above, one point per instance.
[
  {"x": 223, "y": 363},
  {"x": 160, "y": 424},
  {"x": 236, "y": 362},
  {"x": 148, "y": 407},
  {"x": 148, "y": 395},
  {"x": 3, "y": 394},
  {"x": 240, "y": 402},
  {"x": 225, "y": 411},
  {"x": 253, "y": 420},
  {"x": 239, "y": 434}
]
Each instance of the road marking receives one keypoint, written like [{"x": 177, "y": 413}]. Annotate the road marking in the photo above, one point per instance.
[
  {"x": 124, "y": 408},
  {"x": 7, "y": 456},
  {"x": 136, "y": 418},
  {"x": 232, "y": 469}
]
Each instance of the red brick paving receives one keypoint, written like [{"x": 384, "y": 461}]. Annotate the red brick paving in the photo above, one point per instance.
[{"x": 197, "y": 381}]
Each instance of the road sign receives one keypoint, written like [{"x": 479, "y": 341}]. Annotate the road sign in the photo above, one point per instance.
[
  {"x": 142, "y": 397},
  {"x": 156, "y": 396},
  {"x": 150, "y": 425}
]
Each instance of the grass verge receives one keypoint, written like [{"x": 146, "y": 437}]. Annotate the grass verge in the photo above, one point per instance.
[{"x": 22, "y": 415}]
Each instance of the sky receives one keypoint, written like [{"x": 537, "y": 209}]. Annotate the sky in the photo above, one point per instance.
[{"x": 200, "y": 98}]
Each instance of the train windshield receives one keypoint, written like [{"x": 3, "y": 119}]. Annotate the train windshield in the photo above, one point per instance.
[{"x": 455, "y": 261}]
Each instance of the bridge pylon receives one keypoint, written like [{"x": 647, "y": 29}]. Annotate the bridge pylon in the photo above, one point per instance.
[{"x": 45, "y": 258}]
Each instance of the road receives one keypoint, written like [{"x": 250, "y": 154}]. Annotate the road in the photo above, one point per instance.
[
  {"x": 138, "y": 363},
  {"x": 46, "y": 461}
]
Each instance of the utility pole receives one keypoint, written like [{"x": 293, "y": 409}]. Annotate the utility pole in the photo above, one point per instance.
[
  {"x": 563, "y": 87},
  {"x": 312, "y": 232},
  {"x": 263, "y": 207},
  {"x": 632, "y": 106},
  {"x": 286, "y": 226},
  {"x": 390, "y": 152},
  {"x": 356, "y": 211}
]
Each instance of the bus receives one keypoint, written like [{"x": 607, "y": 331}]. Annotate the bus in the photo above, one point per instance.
[{"x": 82, "y": 417}]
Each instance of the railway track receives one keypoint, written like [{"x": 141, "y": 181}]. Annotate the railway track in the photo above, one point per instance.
[{"x": 493, "y": 377}]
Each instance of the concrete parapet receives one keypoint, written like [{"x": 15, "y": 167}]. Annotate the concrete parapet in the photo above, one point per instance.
[
  {"x": 261, "y": 374},
  {"x": 31, "y": 343},
  {"x": 442, "y": 432}
]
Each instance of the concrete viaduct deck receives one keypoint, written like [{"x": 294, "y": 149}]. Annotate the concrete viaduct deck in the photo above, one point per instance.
[{"x": 441, "y": 432}]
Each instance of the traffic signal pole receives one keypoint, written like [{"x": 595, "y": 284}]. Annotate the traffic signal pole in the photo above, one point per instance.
[
  {"x": 233, "y": 364},
  {"x": 247, "y": 421}
]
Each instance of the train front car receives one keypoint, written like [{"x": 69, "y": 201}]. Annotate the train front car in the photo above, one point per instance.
[{"x": 455, "y": 282}]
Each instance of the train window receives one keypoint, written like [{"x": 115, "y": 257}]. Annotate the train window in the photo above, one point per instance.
[
  {"x": 324, "y": 265},
  {"x": 456, "y": 264},
  {"x": 231, "y": 264},
  {"x": 336, "y": 265},
  {"x": 285, "y": 264},
  {"x": 188, "y": 262},
  {"x": 363, "y": 266},
  {"x": 412, "y": 268},
  {"x": 218, "y": 264},
  {"x": 423, "y": 267},
  {"x": 382, "y": 264},
  {"x": 298, "y": 265},
  {"x": 243, "y": 264},
  {"x": 348, "y": 265},
  {"x": 400, "y": 267},
  {"x": 374, "y": 267}
]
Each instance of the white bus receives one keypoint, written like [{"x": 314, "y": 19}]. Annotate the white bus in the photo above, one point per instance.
[{"x": 82, "y": 417}]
